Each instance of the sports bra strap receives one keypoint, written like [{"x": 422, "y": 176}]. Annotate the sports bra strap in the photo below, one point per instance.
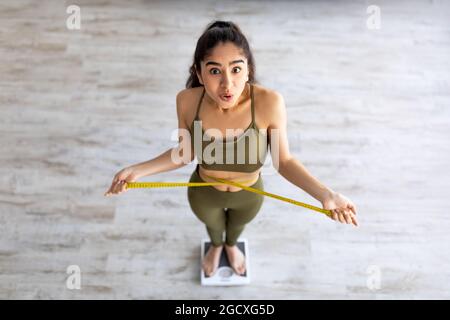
[
  {"x": 199, "y": 103},
  {"x": 252, "y": 104}
]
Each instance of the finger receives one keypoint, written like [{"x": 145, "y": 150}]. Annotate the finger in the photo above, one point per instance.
[
  {"x": 344, "y": 216},
  {"x": 115, "y": 180},
  {"x": 109, "y": 192},
  {"x": 347, "y": 216},
  {"x": 116, "y": 188},
  {"x": 109, "y": 189},
  {"x": 352, "y": 208},
  {"x": 338, "y": 215},
  {"x": 115, "y": 185},
  {"x": 120, "y": 186},
  {"x": 123, "y": 187},
  {"x": 341, "y": 216},
  {"x": 351, "y": 217},
  {"x": 354, "y": 221},
  {"x": 334, "y": 215},
  {"x": 113, "y": 188}
]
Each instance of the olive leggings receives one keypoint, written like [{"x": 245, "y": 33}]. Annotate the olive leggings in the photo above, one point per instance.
[{"x": 224, "y": 211}]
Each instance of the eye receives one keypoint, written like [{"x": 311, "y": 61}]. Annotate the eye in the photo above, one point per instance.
[{"x": 213, "y": 70}]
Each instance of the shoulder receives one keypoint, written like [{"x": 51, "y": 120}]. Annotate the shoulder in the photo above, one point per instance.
[
  {"x": 189, "y": 95},
  {"x": 187, "y": 100},
  {"x": 270, "y": 103},
  {"x": 266, "y": 96}
]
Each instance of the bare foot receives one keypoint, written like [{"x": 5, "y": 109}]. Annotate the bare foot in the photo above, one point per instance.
[
  {"x": 236, "y": 259},
  {"x": 211, "y": 260}
]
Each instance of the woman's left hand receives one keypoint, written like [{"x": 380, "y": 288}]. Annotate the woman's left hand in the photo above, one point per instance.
[{"x": 342, "y": 209}]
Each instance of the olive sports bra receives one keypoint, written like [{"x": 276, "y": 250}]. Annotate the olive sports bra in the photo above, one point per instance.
[{"x": 244, "y": 153}]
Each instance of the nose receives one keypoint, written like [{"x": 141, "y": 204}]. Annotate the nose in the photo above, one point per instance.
[{"x": 226, "y": 81}]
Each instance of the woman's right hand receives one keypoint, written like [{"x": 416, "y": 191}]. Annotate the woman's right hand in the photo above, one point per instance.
[{"x": 118, "y": 184}]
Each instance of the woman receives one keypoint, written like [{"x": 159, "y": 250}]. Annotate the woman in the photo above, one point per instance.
[{"x": 222, "y": 93}]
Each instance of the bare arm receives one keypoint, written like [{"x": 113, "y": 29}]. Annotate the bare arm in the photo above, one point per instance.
[
  {"x": 288, "y": 166},
  {"x": 295, "y": 172},
  {"x": 166, "y": 161},
  {"x": 342, "y": 209},
  {"x": 169, "y": 160},
  {"x": 161, "y": 163}
]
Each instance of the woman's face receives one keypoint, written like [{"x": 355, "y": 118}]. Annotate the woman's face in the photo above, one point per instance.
[{"x": 224, "y": 74}]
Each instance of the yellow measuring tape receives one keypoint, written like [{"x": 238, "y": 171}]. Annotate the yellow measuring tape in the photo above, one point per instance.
[{"x": 133, "y": 185}]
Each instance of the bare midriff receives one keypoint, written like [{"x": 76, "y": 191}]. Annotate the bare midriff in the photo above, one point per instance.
[{"x": 249, "y": 178}]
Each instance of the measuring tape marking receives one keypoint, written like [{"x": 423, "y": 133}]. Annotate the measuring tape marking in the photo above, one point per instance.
[{"x": 133, "y": 185}]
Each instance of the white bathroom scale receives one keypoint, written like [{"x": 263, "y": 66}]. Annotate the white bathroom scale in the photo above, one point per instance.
[{"x": 225, "y": 275}]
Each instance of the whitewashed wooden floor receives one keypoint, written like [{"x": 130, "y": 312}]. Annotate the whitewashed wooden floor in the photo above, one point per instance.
[{"x": 369, "y": 114}]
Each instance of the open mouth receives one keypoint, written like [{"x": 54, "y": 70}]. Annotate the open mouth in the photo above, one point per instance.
[{"x": 226, "y": 97}]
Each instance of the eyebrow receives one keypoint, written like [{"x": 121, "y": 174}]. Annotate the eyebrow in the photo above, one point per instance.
[{"x": 218, "y": 64}]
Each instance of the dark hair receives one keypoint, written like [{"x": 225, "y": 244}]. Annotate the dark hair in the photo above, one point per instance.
[{"x": 215, "y": 32}]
